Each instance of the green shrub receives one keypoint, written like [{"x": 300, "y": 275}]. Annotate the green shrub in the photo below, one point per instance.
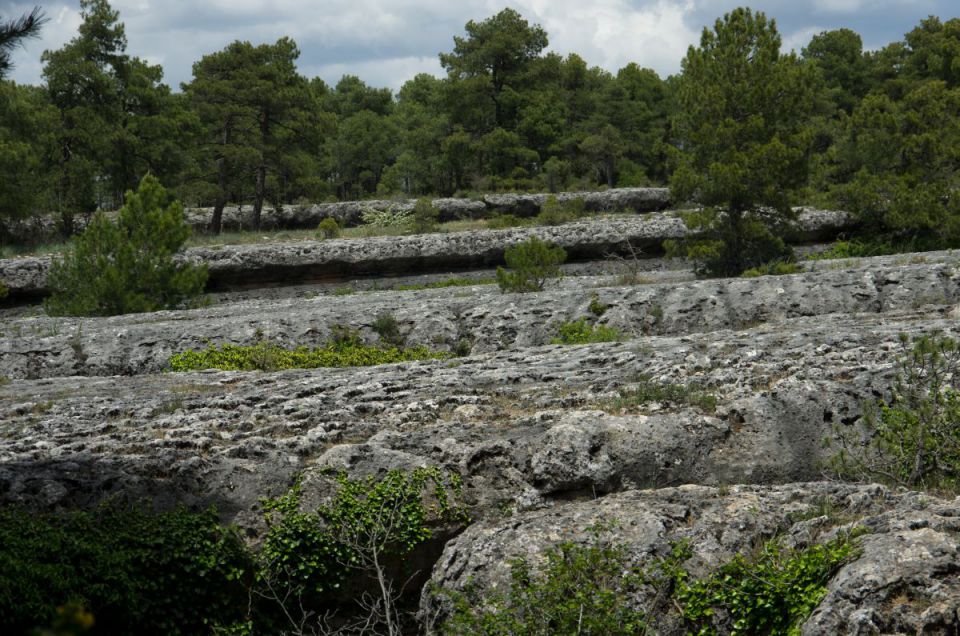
[
  {"x": 127, "y": 266},
  {"x": 581, "y": 590},
  {"x": 596, "y": 307},
  {"x": 328, "y": 228},
  {"x": 504, "y": 221},
  {"x": 392, "y": 217},
  {"x": 425, "y": 217},
  {"x": 555, "y": 212},
  {"x": 449, "y": 282},
  {"x": 913, "y": 439},
  {"x": 859, "y": 248},
  {"x": 137, "y": 572},
  {"x": 772, "y": 593},
  {"x": 265, "y": 356},
  {"x": 581, "y": 332},
  {"x": 533, "y": 262},
  {"x": 648, "y": 391},
  {"x": 385, "y": 325},
  {"x": 3, "y": 290},
  {"x": 774, "y": 268},
  {"x": 367, "y": 528}
]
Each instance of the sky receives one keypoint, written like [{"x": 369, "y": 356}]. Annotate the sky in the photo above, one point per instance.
[{"x": 386, "y": 42}]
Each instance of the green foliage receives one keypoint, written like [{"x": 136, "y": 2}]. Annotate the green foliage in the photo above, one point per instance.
[
  {"x": 771, "y": 593},
  {"x": 533, "y": 263},
  {"x": 858, "y": 248},
  {"x": 912, "y": 439},
  {"x": 555, "y": 212},
  {"x": 425, "y": 217},
  {"x": 136, "y": 571},
  {"x": 385, "y": 325},
  {"x": 505, "y": 221},
  {"x": 449, "y": 282},
  {"x": 312, "y": 553},
  {"x": 392, "y": 217},
  {"x": 3, "y": 290},
  {"x": 328, "y": 228},
  {"x": 596, "y": 307},
  {"x": 649, "y": 391},
  {"x": 773, "y": 268},
  {"x": 581, "y": 332},
  {"x": 742, "y": 141},
  {"x": 265, "y": 356},
  {"x": 127, "y": 266},
  {"x": 579, "y": 590}
]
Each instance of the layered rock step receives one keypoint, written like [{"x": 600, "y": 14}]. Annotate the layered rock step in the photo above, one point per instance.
[
  {"x": 38, "y": 347},
  {"x": 291, "y": 262}
]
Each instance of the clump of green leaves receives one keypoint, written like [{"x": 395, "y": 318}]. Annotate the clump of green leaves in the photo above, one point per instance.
[
  {"x": 532, "y": 263},
  {"x": 649, "y": 391},
  {"x": 266, "y": 356},
  {"x": 582, "y": 332},
  {"x": 912, "y": 439},
  {"x": 425, "y": 217},
  {"x": 127, "y": 265},
  {"x": 596, "y": 307},
  {"x": 773, "y": 268},
  {"x": 390, "y": 217},
  {"x": 771, "y": 593},
  {"x": 328, "y": 228},
  {"x": 136, "y": 571},
  {"x": 449, "y": 282},
  {"x": 556, "y": 212},
  {"x": 366, "y": 525},
  {"x": 504, "y": 221},
  {"x": 859, "y": 248},
  {"x": 581, "y": 589},
  {"x": 386, "y": 326}
]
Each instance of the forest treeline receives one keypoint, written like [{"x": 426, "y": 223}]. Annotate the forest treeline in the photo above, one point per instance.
[{"x": 880, "y": 130}]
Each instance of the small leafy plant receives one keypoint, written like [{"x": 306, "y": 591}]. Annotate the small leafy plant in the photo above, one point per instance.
[
  {"x": 774, "y": 268},
  {"x": 328, "y": 228},
  {"x": 532, "y": 263},
  {"x": 648, "y": 391},
  {"x": 582, "y": 332},
  {"x": 425, "y": 217}
]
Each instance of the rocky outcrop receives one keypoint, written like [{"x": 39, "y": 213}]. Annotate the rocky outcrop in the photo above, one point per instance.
[
  {"x": 903, "y": 580},
  {"x": 298, "y": 261},
  {"x": 143, "y": 343}
]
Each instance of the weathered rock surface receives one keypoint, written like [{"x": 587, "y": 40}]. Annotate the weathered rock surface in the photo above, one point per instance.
[
  {"x": 505, "y": 420},
  {"x": 297, "y": 261},
  {"x": 904, "y": 581},
  {"x": 47, "y": 347}
]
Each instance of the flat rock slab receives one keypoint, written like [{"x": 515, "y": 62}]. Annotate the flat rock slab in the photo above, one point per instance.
[
  {"x": 37, "y": 347},
  {"x": 507, "y": 421},
  {"x": 903, "y": 581},
  {"x": 300, "y": 261}
]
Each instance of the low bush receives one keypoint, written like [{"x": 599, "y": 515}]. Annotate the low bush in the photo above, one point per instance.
[
  {"x": 127, "y": 265},
  {"x": 391, "y": 217},
  {"x": 774, "y": 268},
  {"x": 648, "y": 391},
  {"x": 588, "y": 589},
  {"x": 582, "y": 332},
  {"x": 328, "y": 228},
  {"x": 386, "y": 326},
  {"x": 556, "y": 212},
  {"x": 425, "y": 217},
  {"x": 504, "y": 221},
  {"x": 265, "y": 356},
  {"x": 135, "y": 571},
  {"x": 911, "y": 439},
  {"x": 532, "y": 264},
  {"x": 450, "y": 282}
]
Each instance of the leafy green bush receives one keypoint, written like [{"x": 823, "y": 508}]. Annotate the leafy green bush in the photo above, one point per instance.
[
  {"x": 859, "y": 248},
  {"x": 555, "y": 212},
  {"x": 581, "y": 332},
  {"x": 136, "y": 571},
  {"x": 425, "y": 217},
  {"x": 265, "y": 356},
  {"x": 581, "y": 590},
  {"x": 385, "y": 325},
  {"x": 127, "y": 266},
  {"x": 367, "y": 525},
  {"x": 504, "y": 221},
  {"x": 3, "y": 290},
  {"x": 392, "y": 217},
  {"x": 648, "y": 391},
  {"x": 774, "y": 268},
  {"x": 533, "y": 262},
  {"x": 596, "y": 307},
  {"x": 769, "y": 594},
  {"x": 328, "y": 228},
  {"x": 449, "y": 282},
  {"x": 913, "y": 439}
]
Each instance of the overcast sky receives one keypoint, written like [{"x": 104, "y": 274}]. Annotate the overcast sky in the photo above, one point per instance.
[{"x": 386, "y": 42}]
